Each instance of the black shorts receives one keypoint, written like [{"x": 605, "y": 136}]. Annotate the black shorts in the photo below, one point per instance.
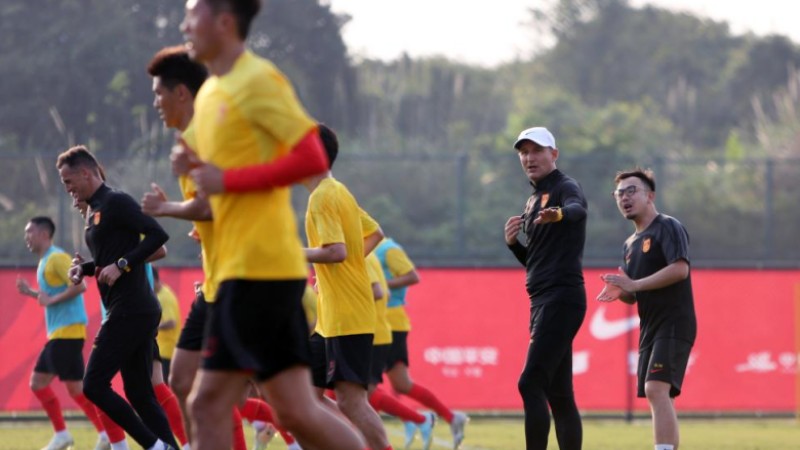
[
  {"x": 398, "y": 353},
  {"x": 62, "y": 357},
  {"x": 191, "y": 337},
  {"x": 666, "y": 361},
  {"x": 257, "y": 326},
  {"x": 319, "y": 362},
  {"x": 347, "y": 358},
  {"x": 380, "y": 353}
]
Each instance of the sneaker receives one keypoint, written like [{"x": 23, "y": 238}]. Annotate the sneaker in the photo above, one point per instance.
[
  {"x": 426, "y": 430},
  {"x": 264, "y": 436},
  {"x": 60, "y": 442},
  {"x": 410, "y": 430},
  {"x": 102, "y": 443},
  {"x": 457, "y": 428}
]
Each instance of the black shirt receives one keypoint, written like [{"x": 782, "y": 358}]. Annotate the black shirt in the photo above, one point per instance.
[
  {"x": 553, "y": 252},
  {"x": 114, "y": 230},
  {"x": 667, "y": 312}
]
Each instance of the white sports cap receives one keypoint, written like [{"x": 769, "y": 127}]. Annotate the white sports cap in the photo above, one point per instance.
[{"x": 539, "y": 135}]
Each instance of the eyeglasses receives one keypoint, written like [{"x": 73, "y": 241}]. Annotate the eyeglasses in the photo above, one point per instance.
[{"x": 630, "y": 191}]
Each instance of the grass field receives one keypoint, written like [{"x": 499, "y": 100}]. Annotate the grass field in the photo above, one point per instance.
[{"x": 507, "y": 434}]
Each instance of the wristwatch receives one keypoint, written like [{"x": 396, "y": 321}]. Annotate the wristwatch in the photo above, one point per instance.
[{"x": 122, "y": 264}]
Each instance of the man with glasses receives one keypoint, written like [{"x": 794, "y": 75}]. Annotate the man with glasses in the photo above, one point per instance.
[
  {"x": 554, "y": 223},
  {"x": 656, "y": 277}
]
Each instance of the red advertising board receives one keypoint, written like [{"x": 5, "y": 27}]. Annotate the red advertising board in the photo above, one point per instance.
[{"x": 469, "y": 338}]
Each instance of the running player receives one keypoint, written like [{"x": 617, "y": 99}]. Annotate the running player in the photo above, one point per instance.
[
  {"x": 125, "y": 340},
  {"x": 247, "y": 114},
  {"x": 400, "y": 274},
  {"x": 65, "y": 318}
]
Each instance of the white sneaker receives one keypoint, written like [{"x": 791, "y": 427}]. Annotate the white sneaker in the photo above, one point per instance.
[
  {"x": 60, "y": 442},
  {"x": 457, "y": 428},
  {"x": 264, "y": 436},
  {"x": 102, "y": 443}
]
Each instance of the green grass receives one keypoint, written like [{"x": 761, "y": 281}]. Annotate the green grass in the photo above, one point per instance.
[{"x": 507, "y": 434}]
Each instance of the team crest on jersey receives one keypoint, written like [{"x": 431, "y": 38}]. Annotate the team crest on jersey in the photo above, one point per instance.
[
  {"x": 545, "y": 198},
  {"x": 96, "y": 218},
  {"x": 646, "y": 245}
]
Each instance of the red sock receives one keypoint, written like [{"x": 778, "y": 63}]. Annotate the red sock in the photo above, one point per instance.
[
  {"x": 238, "y": 431},
  {"x": 88, "y": 408},
  {"x": 427, "y": 398},
  {"x": 380, "y": 401},
  {"x": 52, "y": 406},
  {"x": 115, "y": 432},
  {"x": 257, "y": 409},
  {"x": 172, "y": 409}
]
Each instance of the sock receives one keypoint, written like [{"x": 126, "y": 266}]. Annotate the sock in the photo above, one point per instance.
[
  {"x": 239, "y": 442},
  {"x": 102, "y": 433},
  {"x": 257, "y": 410},
  {"x": 52, "y": 406},
  {"x": 115, "y": 432},
  {"x": 294, "y": 446},
  {"x": 62, "y": 434},
  {"x": 172, "y": 409},
  {"x": 159, "y": 445},
  {"x": 380, "y": 401},
  {"x": 426, "y": 397},
  {"x": 665, "y": 447},
  {"x": 121, "y": 445},
  {"x": 88, "y": 408}
]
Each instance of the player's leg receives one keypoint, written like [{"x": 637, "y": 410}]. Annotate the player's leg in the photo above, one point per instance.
[
  {"x": 167, "y": 400},
  {"x": 117, "y": 340},
  {"x": 41, "y": 377},
  {"x": 299, "y": 411},
  {"x": 187, "y": 357},
  {"x": 137, "y": 372},
  {"x": 211, "y": 404},
  {"x": 661, "y": 371}
]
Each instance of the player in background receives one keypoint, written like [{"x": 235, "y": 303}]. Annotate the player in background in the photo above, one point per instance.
[
  {"x": 382, "y": 345},
  {"x": 65, "y": 320},
  {"x": 400, "y": 273},
  {"x": 656, "y": 276}
]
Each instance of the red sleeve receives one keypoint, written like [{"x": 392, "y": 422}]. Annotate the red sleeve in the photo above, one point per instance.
[{"x": 306, "y": 159}]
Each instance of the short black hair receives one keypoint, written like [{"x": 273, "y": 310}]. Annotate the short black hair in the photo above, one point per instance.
[
  {"x": 46, "y": 223},
  {"x": 78, "y": 156},
  {"x": 330, "y": 142},
  {"x": 174, "y": 66},
  {"x": 243, "y": 10},
  {"x": 646, "y": 175}
]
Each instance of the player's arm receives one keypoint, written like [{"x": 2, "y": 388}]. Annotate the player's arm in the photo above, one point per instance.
[
  {"x": 72, "y": 291},
  {"x": 161, "y": 253},
  {"x": 167, "y": 324},
  {"x": 573, "y": 209},
  {"x": 667, "y": 276},
  {"x": 377, "y": 291},
  {"x": 373, "y": 234},
  {"x": 406, "y": 279},
  {"x": 155, "y": 203},
  {"x": 154, "y": 236},
  {"x": 327, "y": 254}
]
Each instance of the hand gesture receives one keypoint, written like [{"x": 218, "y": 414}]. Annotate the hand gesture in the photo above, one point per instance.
[
  {"x": 153, "y": 201},
  {"x": 183, "y": 158},
  {"x": 109, "y": 274},
  {"x": 547, "y": 215},
  {"x": 609, "y": 293},
  {"x": 208, "y": 179},
  {"x": 75, "y": 271},
  {"x": 23, "y": 287},
  {"x": 513, "y": 226},
  {"x": 620, "y": 280}
]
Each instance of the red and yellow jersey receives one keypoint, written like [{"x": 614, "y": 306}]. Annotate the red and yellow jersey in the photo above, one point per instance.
[
  {"x": 345, "y": 305},
  {"x": 251, "y": 116}
]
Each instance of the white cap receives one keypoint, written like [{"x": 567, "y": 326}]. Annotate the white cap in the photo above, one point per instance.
[{"x": 539, "y": 135}]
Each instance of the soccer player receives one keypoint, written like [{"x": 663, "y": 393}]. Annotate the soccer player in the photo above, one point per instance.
[
  {"x": 346, "y": 307},
  {"x": 400, "y": 273},
  {"x": 247, "y": 114},
  {"x": 382, "y": 345},
  {"x": 170, "y": 325},
  {"x": 554, "y": 223},
  {"x": 125, "y": 341},
  {"x": 655, "y": 275},
  {"x": 65, "y": 319}
]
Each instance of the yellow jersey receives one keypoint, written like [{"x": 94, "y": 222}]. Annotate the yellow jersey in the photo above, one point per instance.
[
  {"x": 168, "y": 339},
  {"x": 251, "y": 116}
]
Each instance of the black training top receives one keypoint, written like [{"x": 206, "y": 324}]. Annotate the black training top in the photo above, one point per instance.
[
  {"x": 553, "y": 252},
  {"x": 667, "y": 312},
  {"x": 114, "y": 229}
]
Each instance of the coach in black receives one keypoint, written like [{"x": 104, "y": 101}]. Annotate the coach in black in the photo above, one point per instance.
[
  {"x": 120, "y": 238},
  {"x": 656, "y": 277},
  {"x": 554, "y": 223}
]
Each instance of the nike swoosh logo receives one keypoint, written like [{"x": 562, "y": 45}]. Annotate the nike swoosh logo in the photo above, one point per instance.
[{"x": 604, "y": 329}]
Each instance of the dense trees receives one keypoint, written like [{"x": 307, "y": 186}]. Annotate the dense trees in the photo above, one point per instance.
[{"x": 426, "y": 141}]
